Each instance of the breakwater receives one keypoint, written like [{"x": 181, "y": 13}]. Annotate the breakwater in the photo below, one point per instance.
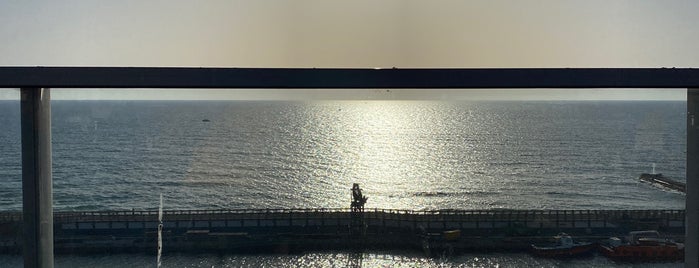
[
  {"x": 289, "y": 230},
  {"x": 659, "y": 179}
]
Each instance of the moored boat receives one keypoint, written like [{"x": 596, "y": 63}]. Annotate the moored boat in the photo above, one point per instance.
[
  {"x": 563, "y": 247},
  {"x": 643, "y": 246},
  {"x": 440, "y": 244}
]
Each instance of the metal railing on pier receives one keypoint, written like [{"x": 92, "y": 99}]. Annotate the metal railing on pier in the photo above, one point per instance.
[{"x": 375, "y": 213}]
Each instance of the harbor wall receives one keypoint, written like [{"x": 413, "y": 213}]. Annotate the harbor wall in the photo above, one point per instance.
[{"x": 289, "y": 230}]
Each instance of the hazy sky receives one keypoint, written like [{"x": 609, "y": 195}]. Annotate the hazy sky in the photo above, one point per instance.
[{"x": 356, "y": 33}]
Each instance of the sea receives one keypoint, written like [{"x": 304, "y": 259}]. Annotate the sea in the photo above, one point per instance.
[{"x": 417, "y": 155}]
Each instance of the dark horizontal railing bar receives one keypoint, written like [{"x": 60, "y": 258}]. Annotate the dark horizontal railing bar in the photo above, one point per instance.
[{"x": 176, "y": 77}]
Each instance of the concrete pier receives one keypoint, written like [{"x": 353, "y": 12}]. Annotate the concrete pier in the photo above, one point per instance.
[
  {"x": 664, "y": 182},
  {"x": 287, "y": 230}
]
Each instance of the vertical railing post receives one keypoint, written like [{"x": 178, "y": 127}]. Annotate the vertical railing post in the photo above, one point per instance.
[
  {"x": 36, "y": 177},
  {"x": 691, "y": 256}
]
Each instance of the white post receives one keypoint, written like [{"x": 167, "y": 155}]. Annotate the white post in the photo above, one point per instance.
[{"x": 160, "y": 231}]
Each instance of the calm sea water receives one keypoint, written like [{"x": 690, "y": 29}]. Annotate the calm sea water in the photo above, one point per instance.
[{"x": 406, "y": 155}]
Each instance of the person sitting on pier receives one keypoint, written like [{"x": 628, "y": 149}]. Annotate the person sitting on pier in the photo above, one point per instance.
[{"x": 358, "y": 200}]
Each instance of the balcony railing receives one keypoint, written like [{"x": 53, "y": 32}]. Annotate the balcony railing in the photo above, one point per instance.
[{"x": 35, "y": 98}]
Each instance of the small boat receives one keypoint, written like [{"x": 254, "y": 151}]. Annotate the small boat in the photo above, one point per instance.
[
  {"x": 206, "y": 120},
  {"x": 643, "y": 246},
  {"x": 563, "y": 247},
  {"x": 440, "y": 244}
]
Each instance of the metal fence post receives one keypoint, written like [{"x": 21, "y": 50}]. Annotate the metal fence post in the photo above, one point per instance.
[
  {"x": 36, "y": 177},
  {"x": 691, "y": 256}
]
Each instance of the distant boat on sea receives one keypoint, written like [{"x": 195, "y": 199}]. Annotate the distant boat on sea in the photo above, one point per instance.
[{"x": 206, "y": 120}]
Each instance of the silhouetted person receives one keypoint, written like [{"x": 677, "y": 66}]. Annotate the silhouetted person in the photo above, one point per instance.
[{"x": 358, "y": 200}]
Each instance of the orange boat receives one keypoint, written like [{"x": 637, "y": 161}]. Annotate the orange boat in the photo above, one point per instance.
[
  {"x": 643, "y": 246},
  {"x": 564, "y": 247}
]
